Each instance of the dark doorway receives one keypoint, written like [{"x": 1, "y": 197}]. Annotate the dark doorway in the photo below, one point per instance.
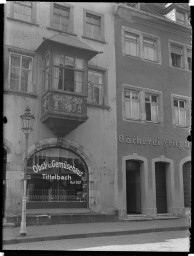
[
  {"x": 161, "y": 194},
  {"x": 187, "y": 184},
  {"x": 133, "y": 187}
]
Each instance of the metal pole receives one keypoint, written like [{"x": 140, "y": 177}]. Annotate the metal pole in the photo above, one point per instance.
[{"x": 24, "y": 198}]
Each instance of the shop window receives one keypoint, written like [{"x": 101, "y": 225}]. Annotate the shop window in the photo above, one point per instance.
[
  {"x": 176, "y": 56},
  {"x": 131, "y": 44},
  {"x": 57, "y": 175},
  {"x": 151, "y": 107},
  {"x": 67, "y": 73},
  {"x": 131, "y": 104},
  {"x": 20, "y": 73},
  {"x": 95, "y": 87},
  {"x": 93, "y": 25}
]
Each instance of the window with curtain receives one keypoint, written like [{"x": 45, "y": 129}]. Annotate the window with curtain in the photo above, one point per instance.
[
  {"x": 131, "y": 44},
  {"x": 93, "y": 26},
  {"x": 131, "y": 104},
  {"x": 61, "y": 17},
  {"x": 176, "y": 56},
  {"x": 151, "y": 107},
  {"x": 20, "y": 73},
  {"x": 68, "y": 73},
  {"x": 95, "y": 87},
  {"x": 180, "y": 112},
  {"x": 23, "y": 10},
  {"x": 150, "y": 49}
]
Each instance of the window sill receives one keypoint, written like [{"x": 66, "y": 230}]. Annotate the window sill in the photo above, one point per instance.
[
  {"x": 61, "y": 31},
  {"x": 24, "y": 94},
  {"x": 179, "y": 126},
  {"x": 93, "y": 39},
  {"x": 98, "y": 106},
  {"x": 180, "y": 68},
  {"x": 142, "y": 59},
  {"x": 23, "y": 21}
]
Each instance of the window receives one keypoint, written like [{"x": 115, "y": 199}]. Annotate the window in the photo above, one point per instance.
[
  {"x": 67, "y": 73},
  {"x": 93, "y": 25},
  {"x": 180, "y": 55},
  {"x": 180, "y": 112},
  {"x": 20, "y": 72},
  {"x": 131, "y": 44},
  {"x": 61, "y": 17},
  {"x": 189, "y": 59},
  {"x": 131, "y": 104},
  {"x": 138, "y": 44},
  {"x": 151, "y": 107},
  {"x": 176, "y": 56},
  {"x": 150, "y": 49},
  {"x": 180, "y": 17},
  {"x": 95, "y": 87},
  {"x": 23, "y": 10}
]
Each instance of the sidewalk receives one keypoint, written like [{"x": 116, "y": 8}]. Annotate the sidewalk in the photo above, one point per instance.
[{"x": 84, "y": 230}]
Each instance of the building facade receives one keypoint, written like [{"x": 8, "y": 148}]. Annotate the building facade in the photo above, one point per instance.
[
  {"x": 153, "y": 88},
  {"x": 59, "y": 60}
]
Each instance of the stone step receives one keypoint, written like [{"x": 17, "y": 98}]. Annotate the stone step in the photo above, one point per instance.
[{"x": 141, "y": 217}]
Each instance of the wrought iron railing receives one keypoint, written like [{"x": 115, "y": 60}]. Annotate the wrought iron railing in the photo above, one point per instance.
[{"x": 57, "y": 195}]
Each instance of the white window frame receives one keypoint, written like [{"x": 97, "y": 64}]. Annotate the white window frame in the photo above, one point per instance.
[
  {"x": 184, "y": 60},
  {"x": 102, "y": 28},
  {"x": 141, "y": 37},
  {"x": 19, "y": 89},
  {"x": 90, "y": 69},
  {"x": 152, "y": 104},
  {"x": 142, "y": 109},
  {"x": 187, "y": 101}
]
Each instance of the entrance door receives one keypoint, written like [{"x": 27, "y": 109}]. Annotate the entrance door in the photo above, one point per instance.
[
  {"x": 161, "y": 194},
  {"x": 133, "y": 187},
  {"x": 187, "y": 184}
]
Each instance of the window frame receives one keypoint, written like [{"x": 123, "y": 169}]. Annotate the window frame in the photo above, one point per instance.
[
  {"x": 185, "y": 48},
  {"x": 102, "y": 25},
  {"x": 131, "y": 91},
  {"x": 187, "y": 101},
  {"x": 71, "y": 16},
  {"x": 33, "y": 13},
  {"x": 104, "y": 72},
  {"x": 142, "y": 36},
  {"x": 9, "y": 72},
  {"x": 151, "y": 104},
  {"x": 142, "y": 110}
]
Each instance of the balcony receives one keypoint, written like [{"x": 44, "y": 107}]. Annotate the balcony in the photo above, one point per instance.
[{"x": 63, "y": 111}]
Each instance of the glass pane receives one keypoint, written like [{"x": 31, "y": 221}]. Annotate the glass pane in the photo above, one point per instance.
[
  {"x": 79, "y": 64},
  {"x": 127, "y": 94},
  {"x": 134, "y": 95},
  {"x": 69, "y": 62},
  {"x": 15, "y": 72},
  {"x": 57, "y": 78},
  {"x": 131, "y": 48},
  {"x": 89, "y": 30},
  {"x": 58, "y": 59},
  {"x": 78, "y": 82},
  {"x": 149, "y": 53},
  {"x": 182, "y": 117},
  {"x": 154, "y": 98},
  {"x": 135, "y": 109},
  {"x": 176, "y": 103},
  {"x": 15, "y": 60},
  {"x": 181, "y": 104},
  {"x": 25, "y": 75},
  {"x": 24, "y": 86},
  {"x": 96, "y": 95},
  {"x": 69, "y": 80},
  {"x": 96, "y": 32},
  {"x": 131, "y": 37},
  {"x": 127, "y": 109},
  {"x": 176, "y": 113},
  {"x": 26, "y": 62},
  {"x": 176, "y": 60},
  {"x": 148, "y": 111},
  {"x": 90, "y": 92},
  {"x": 154, "y": 113},
  {"x": 147, "y": 97},
  {"x": 14, "y": 84}
]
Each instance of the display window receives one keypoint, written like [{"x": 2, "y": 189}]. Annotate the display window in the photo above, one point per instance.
[{"x": 57, "y": 175}]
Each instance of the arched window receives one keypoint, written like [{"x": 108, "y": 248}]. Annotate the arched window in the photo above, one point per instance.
[{"x": 57, "y": 178}]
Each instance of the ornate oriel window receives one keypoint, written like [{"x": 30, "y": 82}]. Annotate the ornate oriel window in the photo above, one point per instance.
[{"x": 59, "y": 176}]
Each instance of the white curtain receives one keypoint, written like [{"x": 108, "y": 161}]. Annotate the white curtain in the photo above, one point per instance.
[
  {"x": 127, "y": 109},
  {"x": 55, "y": 78},
  {"x": 154, "y": 113},
  {"x": 182, "y": 115},
  {"x": 78, "y": 82}
]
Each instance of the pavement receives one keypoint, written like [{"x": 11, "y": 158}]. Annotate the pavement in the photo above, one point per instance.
[{"x": 11, "y": 235}]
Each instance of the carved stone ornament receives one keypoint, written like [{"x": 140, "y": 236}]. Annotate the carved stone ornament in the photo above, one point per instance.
[{"x": 60, "y": 141}]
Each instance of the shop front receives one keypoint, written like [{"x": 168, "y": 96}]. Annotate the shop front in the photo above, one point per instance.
[{"x": 57, "y": 178}]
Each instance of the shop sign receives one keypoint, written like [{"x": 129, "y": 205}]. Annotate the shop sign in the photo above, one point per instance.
[
  {"x": 45, "y": 166},
  {"x": 157, "y": 142}
]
